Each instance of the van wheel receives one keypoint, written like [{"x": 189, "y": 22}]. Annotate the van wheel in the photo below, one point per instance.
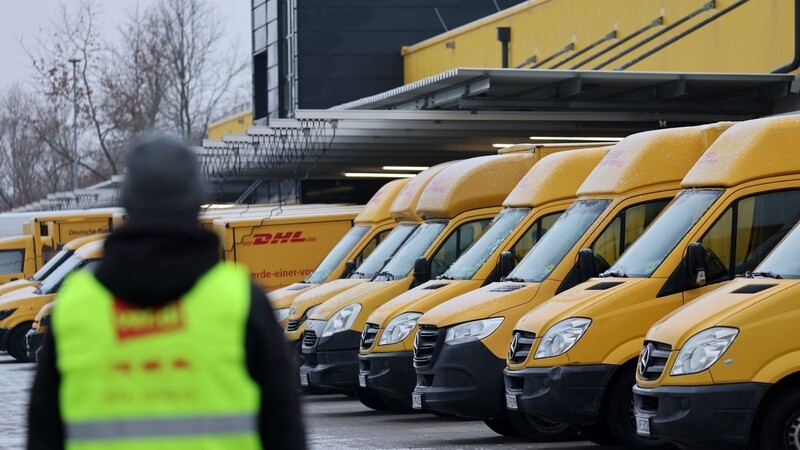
[
  {"x": 398, "y": 405},
  {"x": 781, "y": 426},
  {"x": 619, "y": 420},
  {"x": 16, "y": 342},
  {"x": 502, "y": 425},
  {"x": 537, "y": 429},
  {"x": 371, "y": 399}
]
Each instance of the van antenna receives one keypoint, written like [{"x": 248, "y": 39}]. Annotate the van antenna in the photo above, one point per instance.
[
  {"x": 439, "y": 15},
  {"x": 496, "y": 5}
]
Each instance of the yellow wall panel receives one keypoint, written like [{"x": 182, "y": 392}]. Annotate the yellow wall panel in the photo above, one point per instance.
[{"x": 755, "y": 37}]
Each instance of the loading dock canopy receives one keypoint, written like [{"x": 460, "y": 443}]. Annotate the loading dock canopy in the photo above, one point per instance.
[{"x": 462, "y": 112}]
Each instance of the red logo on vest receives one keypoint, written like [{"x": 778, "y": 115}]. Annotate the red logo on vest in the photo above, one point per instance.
[{"x": 132, "y": 322}]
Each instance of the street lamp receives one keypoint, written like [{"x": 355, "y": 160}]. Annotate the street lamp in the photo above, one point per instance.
[{"x": 74, "y": 62}]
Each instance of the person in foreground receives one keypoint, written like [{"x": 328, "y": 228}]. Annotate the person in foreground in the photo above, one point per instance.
[{"x": 164, "y": 347}]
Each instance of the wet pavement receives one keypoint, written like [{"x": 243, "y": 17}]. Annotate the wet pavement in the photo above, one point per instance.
[{"x": 333, "y": 421}]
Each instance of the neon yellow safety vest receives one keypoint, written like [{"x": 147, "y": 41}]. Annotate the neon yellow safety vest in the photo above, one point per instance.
[{"x": 168, "y": 378}]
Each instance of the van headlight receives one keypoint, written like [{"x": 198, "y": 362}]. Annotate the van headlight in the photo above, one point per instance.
[
  {"x": 703, "y": 349},
  {"x": 399, "y": 328},
  {"x": 472, "y": 331},
  {"x": 561, "y": 337},
  {"x": 281, "y": 314},
  {"x": 342, "y": 320}
]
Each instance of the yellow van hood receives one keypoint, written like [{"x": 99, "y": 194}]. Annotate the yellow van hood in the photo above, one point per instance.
[
  {"x": 421, "y": 299},
  {"x": 370, "y": 295},
  {"x": 285, "y": 296},
  {"x": 18, "y": 297},
  {"x": 571, "y": 303},
  {"x": 14, "y": 285},
  {"x": 711, "y": 309},
  {"x": 319, "y": 295},
  {"x": 481, "y": 303}
]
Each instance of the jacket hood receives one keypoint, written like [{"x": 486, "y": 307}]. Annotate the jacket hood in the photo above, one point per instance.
[{"x": 149, "y": 264}]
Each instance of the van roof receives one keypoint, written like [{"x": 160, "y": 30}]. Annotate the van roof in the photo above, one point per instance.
[
  {"x": 516, "y": 148},
  {"x": 555, "y": 177},
  {"x": 81, "y": 241},
  {"x": 474, "y": 183},
  {"x": 92, "y": 250},
  {"x": 377, "y": 208},
  {"x": 342, "y": 213},
  {"x": 748, "y": 151},
  {"x": 404, "y": 206},
  {"x": 78, "y": 215},
  {"x": 651, "y": 158},
  {"x": 275, "y": 212}
]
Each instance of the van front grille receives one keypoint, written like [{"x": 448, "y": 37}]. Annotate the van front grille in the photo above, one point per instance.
[
  {"x": 521, "y": 345},
  {"x": 425, "y": 345},
  {"x": 368, "y": 335},
  {"x": 653, "y": 360},
  {"x": 309, "y": 338},
  {"x": 294, "y": 325}
]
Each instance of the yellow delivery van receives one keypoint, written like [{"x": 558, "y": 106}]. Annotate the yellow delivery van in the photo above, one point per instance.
[
  {"x": 45, "y": 234},
  {"x": 370, "y": 227},
  {"x": 34, "y": 338},
  {"x": 283, "y": 249},
  {"x": 403, "y": 211},
  {"x": 461, "y": 346},
  {"x": 582, "y": 345},
  {"x": 457, "y": 205},
  {"x": 20, "y": 307},
  {"x": 386, "y": 353}
]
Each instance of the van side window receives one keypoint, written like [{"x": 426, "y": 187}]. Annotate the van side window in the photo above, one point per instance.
[
  {"x": 371, "y": 245},
  {"x": 11, "y": 261},
  {"x": 455, "y": 244},
  {"x": 626, "y": 227},
  {"x": 747, "y": 232},
  {"x": 532, "y": 235}
]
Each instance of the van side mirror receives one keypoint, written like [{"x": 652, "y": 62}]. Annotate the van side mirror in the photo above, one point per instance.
[
  {"x": 587, "y": 267},
  {"x": 507, "y": 264},
  {"x": 349, "y": 268},
  {"x": 696, "y": 262},
  {"x": 422, "y": 271}
]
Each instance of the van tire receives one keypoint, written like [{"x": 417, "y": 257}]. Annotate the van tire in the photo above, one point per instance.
[
  {"x": 781, "y": 422},
  {"x": 539, "y": 430},
  {"x": 502, "y": 425},
  {"x": 617, "y": 416},
  {"x": 371, "y": 399},
  {"x": 16, "y": 342}
]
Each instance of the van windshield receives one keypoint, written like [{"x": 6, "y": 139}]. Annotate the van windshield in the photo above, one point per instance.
[
  {"x": 384, "y": 251},
  {"x": 51, "y": 265},
  {"x": 402, "y": 262},
  {"x": 475, "y": 257},
  {"x": 52, "y": 282},
  {"x": 556, "y": 243},
  {"x": 335, "y": 256},
  {"x": 648, "y": 252},
  {"x": 783, "y": 260}
]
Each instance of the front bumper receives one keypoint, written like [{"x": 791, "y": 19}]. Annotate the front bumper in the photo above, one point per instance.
[
  {"x": 464, "y": 380},
  {"x": 4, "y": 332},
  {"x": 701, "y": 416},
  {"x": 332, "y": 362},
  {"x": 569, "y": 394},
  {"x": 390, "y": 373},
  {"x": 33, "y": 343}
]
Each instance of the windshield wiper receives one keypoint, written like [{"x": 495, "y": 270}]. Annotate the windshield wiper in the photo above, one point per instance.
[
  {"x": 387, "y": 274},
  {"x": 360, "y": 274},
  {"x": 614, "y": 273},
  {"x": 513, "y": 279},
  {"x": 765, "y": 274},
  {"x": 444, "y": 277}
]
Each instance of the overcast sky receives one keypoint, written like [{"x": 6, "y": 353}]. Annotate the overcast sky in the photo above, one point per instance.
[{"x": 22, "y": 19}]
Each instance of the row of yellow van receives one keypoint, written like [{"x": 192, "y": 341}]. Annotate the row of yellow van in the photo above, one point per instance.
[{"x": 542, "y": 289}]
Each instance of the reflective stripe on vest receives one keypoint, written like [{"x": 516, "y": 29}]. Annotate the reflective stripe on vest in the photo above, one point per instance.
[{"x": 172, "y": 377}]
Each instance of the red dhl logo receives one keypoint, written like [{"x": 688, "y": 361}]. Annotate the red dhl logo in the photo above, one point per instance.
[
  {"x": 133, "y": 322},
  {"x": 279, "y": 238}
]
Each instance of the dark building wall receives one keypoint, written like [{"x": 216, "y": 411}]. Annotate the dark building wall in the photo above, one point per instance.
[{"x": 343, "y": 49}]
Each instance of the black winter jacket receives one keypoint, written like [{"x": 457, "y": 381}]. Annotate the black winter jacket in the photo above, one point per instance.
[{"x": 150, "y": 264}]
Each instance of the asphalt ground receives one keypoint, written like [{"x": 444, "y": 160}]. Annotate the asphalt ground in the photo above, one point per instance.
[{"x": 333, "y": 422}]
